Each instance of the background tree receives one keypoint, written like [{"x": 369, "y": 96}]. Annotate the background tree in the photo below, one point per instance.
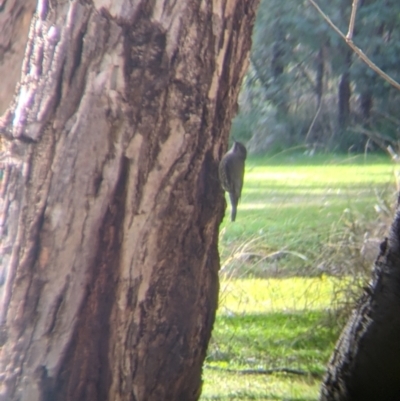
[
  {"x": 110, "y": 197},
  {"x": 304, "y": 104}
]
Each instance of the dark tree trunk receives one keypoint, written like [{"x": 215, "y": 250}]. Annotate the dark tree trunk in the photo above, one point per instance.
[
  {"x": 319, "y": 87},
  {"x": 110, "y": 202},
  {"x": 277, "y": 65},
  {"x": 365, "y": 365},
  {"x": 366, "y": 103},
  {"x": 278, "y": 69},
  {"x": 344, "y": 94}
]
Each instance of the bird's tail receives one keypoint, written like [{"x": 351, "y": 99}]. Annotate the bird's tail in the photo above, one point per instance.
[{"x": 234, "y": 203}]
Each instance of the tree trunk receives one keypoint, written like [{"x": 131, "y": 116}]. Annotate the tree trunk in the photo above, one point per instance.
[
  {"x": 344, "y": 94},
  {"x": 15, "y": 18},
  {"x": 366, "y": 102},
  {"x": 110, "y": 197},
  {"x": 278, "y": 67},
  {"x": 344, "y": 90},
  {"x": 319, "y": 84},
  {"x": 365, "y": 365}
]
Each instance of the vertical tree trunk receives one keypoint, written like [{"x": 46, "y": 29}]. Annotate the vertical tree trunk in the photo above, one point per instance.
[
  {"x": 366, "y": 102},
  {"x": 110, "y": 197},
  {"x": 319, "y": 87},
  {"x": 344, "y": 94},
  {"x": 278, "y": 68},
  {"x": 365, "y": 365},
  {"x": 344, "y": 89}
]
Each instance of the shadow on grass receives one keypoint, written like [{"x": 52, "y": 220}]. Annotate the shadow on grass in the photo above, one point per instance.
[
  {"x": 234, "y": 387},
  {"x": 258, "y": 397},
  {"x": 296, "y": 340}
]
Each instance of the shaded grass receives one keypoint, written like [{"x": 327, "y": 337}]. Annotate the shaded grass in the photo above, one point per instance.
[
  {"x": 233, "y": 386},
  {"x": 273, "y": 340}
]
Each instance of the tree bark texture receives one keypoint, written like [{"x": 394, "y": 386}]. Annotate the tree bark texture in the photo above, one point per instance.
[
  {"x": 110, "y": 200},
  {"x": 15, "y": 18},
  {"x": 365, "y": 365}
]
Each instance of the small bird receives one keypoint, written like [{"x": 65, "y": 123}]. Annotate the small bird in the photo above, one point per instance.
[{"x": 231, "y": 172}]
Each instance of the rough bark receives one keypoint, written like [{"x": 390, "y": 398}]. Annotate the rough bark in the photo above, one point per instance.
[
  {"x": 15, "y": 18},
  {"x": 110, "y": 198},
  {"x": 365, "y": 365}
]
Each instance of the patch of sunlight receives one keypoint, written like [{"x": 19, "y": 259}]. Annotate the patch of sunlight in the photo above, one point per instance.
[{"x": 284, "y": 294}]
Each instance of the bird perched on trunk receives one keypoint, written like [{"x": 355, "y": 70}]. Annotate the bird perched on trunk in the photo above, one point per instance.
[{"x": 231, "y": 172}]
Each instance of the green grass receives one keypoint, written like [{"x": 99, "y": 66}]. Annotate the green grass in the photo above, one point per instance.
[
  {"x": 295, "y": 294},
  {"x": 270, "y": 324},
  {"x": 297, "y": 204},
  {"x": 277, "y": 301},
  {"x": 251, "y": 387}
]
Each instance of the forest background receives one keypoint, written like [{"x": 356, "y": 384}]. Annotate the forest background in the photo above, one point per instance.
[{"x": 306, "y": 87}]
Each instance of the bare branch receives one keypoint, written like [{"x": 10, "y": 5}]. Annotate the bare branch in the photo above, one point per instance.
[
  {"x": 349, "y": 35},
  {"x": 356, "y": 49},
  {"x": 313, "y": 121}
]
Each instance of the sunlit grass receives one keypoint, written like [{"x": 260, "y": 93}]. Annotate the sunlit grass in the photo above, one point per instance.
[
  {"x": 295, "y": 294},
  {"x": 235, "y": 387},
  {"x": 296, "y": 203},
  {"x": 297, "y": 216},
  {"x": 270, "y": 324}
]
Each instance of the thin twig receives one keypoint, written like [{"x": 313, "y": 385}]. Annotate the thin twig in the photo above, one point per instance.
[
  {"x": 327, "y": 19},
  {"x": 349, "y": 35},
  {"x": 356, "y": 50},
  {"x": 313, "y": 121},
  {"x": 376, "y": 137}
]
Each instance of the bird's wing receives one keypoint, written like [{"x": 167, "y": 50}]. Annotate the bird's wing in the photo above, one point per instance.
[
  {"x": 227, "y": 166},
  {"x": 238, "y": 179}
]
